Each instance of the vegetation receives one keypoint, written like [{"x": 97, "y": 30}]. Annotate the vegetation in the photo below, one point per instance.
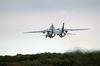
[{"x": 76, "y": 58}]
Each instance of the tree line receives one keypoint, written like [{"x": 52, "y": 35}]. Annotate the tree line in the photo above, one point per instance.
[{"x": 76, "y": 58}]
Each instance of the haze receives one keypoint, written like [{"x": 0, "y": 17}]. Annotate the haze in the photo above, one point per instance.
[{"x": 19, "y": 16}]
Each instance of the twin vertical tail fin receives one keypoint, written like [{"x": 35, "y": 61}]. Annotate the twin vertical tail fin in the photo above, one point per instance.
[
  {"x": 53, "y": 34},
  {"x": 52, "y": 28},
  {"x": 63, "y": 34},
  {"x": 63, "y": 28}
]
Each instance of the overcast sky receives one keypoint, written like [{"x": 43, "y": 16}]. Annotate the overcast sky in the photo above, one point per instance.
[{"x": 17, "y": 16}]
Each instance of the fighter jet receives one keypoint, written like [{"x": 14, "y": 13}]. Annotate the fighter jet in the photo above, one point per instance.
[{"x": 51, "y": 32}]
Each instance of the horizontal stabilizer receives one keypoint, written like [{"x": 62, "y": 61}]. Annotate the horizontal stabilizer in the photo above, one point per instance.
[{"x": 70, "y": 34}]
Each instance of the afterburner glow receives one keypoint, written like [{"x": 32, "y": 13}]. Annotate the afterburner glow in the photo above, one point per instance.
[
  {"x": 63, "y": 34},
  {"x": 53, "y": 35}
]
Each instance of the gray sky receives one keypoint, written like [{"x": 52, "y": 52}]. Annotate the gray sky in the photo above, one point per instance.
[{"x": 19, "y": 16}]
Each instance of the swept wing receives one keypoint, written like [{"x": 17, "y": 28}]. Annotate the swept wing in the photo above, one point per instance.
[
  {"x": 38, "y": 31},
  {"x": 74, "y": 29}
]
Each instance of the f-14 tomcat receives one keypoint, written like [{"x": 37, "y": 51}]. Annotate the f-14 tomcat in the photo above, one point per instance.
[{"x": 51, "y": 32}]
